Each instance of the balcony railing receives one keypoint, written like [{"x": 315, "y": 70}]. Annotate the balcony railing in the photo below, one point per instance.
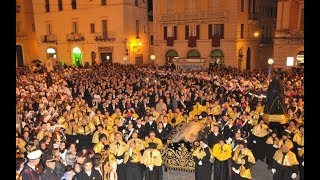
[
  {"x": 289, "y": 34},
  {"x": 75, "y": 37},
  {"x": 49, "y": 38},
  {"x": 193, "y": 16},
  {"x": 108, "y": 36},
  {"x": 20, "y": 34}
]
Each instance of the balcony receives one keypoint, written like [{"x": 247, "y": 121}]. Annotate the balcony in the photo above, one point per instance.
[
  {"x": 109, "y": 36},
  {"x": 49, "y": 38},
  {"x": 71, "y": 37},
  {"x": 20, "y": 35},
  {"x": 193, "y": 16},
  {"x": 289, "y": 34}
]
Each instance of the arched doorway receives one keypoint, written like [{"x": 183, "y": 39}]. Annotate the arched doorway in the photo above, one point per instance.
[
  {"x": 216, "y": 58},
  {"x": 93, "y": 58},
  {"x": 170, "y": 55},
  {"x": 300, "y": 58},
  {"x": 193, "y": 54},
  {"x": 19, "y": 55},
  {"x": 248, "y": 62},
  {"x": 76, "y": 56}
]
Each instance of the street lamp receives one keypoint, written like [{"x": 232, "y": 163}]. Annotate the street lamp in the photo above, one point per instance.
[
  {"x": 270, "y": 62},
  {"x": 152, "y": 57}
]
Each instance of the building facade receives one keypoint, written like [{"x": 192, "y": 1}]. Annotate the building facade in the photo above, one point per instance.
[
  {"x": 266, "y": 13},
  {"x": 26, "y": 43},
  {"x": 289, "y": 36},
  {"x": 219, "y": 31},
  {"x": 77, "y": 32}
]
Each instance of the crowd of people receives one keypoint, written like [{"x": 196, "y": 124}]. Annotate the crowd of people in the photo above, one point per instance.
[{"x": 113, "y": 122}]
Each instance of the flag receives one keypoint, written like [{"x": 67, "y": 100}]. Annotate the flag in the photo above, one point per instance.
[
  {"x": 216, "y": 41},
  {"x": 170, "y": 41},
  {"x": 192, "y": 42}
]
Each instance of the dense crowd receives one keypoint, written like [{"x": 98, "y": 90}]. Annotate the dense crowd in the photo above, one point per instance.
[{"x": 113, "y": 122}]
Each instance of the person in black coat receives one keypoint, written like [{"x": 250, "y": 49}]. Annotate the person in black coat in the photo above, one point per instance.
[
  {"x": 166, "y": 126},
  {"x": 88, "y": 172},
  {"x": 48, "y": 172},
  {"x": 161, "y": 133},
  {"x": 214, "y": 136},
  {"x": 49, "y": 80},
  {"x": 141, "y": 129},
  {"x": 150, "y": 124},
  {"x": 112, "y": 107},
  {"x": 229, "y": 130},
  {"x": 29, "y": 171}
]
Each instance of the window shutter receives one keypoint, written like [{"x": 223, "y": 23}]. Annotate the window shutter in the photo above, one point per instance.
[
  {"x": 165, "y": 31},
  {"x": 222, "y": 31},
  {"x": 186, "y": 32},
  {"x": 175, "y": 33},
  {"x": 198, "y": 32},
  {"x": 209, "y": 31}
]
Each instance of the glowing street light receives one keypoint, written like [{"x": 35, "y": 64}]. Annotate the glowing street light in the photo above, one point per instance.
[
  {"x": 270, "y": 61},
  {"x": 256, "y": 34},
  {"x": 152, "y": 57}
]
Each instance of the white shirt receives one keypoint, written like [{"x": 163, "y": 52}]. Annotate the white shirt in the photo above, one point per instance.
[
  {"x": 88, "y": 173},
  {"x": 164, "y": 124},
  {"x": 32, "y": 167}
]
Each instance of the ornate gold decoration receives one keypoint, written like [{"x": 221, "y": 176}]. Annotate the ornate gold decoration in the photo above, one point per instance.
[{"x": 179, "y": 158}]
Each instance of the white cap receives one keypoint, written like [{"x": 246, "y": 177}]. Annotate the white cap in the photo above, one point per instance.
[{"x": 34, "y": 154}]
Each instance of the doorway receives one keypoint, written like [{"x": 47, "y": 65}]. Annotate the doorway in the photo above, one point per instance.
[
  {"x": 248, "y": 62},
  {"x": 19, "y": 55},
  {"x": 106, "y": 57},
  {"x": 139, "y": 59},
  {"x": 170, "y": 55},
  {"x": 93, "y": 58},
  {"x": 76, "y": 56}
]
